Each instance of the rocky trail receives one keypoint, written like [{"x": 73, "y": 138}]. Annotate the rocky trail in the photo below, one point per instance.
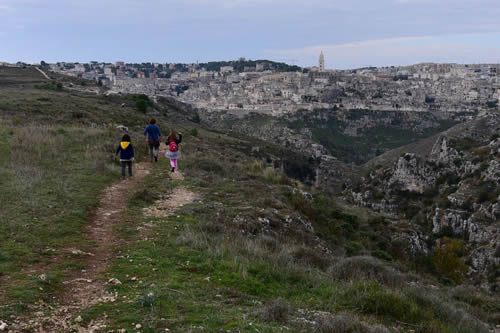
[
  {"x": 88, "y": 287},
  {"x": 43, "y": 73}
]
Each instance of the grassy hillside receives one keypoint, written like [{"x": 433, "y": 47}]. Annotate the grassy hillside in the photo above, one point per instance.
[
  {"x": 57, "y": 156},
  {"x": 256, "y": 251},
  {"x": 244, "y": 257}
]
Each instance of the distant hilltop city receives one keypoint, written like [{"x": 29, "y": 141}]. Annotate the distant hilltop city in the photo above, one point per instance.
[{"x": 243, "y": 85}]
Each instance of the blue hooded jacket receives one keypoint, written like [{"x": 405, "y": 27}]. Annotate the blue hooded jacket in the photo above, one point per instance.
[{"x": 126, "y": 150}]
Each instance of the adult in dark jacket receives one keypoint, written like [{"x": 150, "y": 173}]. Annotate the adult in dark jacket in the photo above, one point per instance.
[
  {"x": 153, "y": 138},
  {"x": 127, "y": 156}
]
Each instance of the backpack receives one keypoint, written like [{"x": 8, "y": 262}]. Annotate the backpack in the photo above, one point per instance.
[{"x": 173, "y": 146}]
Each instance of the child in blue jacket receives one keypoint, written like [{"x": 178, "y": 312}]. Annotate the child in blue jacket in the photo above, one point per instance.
[{"x": 126, "y": 150}]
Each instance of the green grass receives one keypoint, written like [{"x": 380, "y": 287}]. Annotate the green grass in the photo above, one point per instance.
[
  {"x": 53, "y": 178},
  {"x": 213, "y": 265},
  {"x": 22, "y": 101},
  {"x": 53, "y": 168},
  {"x": 218, "y": 263}
]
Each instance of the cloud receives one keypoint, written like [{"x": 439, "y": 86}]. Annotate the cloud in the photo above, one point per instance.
[
  {"x": 4, "y": 9},
  {"x": 218, "y": 29},
  {"x": 402, "y": 51}
]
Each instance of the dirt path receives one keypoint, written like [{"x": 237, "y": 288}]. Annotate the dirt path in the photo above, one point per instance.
[
  {"x": 88, "y": 288},
  {"x": 43, "y": 73}
]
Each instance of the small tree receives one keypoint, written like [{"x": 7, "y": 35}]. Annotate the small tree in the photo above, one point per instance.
[
  {"x": 447, "y": 259},
  {"x": 196, "y": 118},
  {"x": 142, "y": 102}
]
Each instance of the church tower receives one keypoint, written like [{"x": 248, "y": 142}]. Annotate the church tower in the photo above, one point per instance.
[{"x": 321, "y": 62}]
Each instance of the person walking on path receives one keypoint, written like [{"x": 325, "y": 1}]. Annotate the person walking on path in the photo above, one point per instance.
[
  {"x": 173, "y": 152},
  {"x": 126, "y": 150},
  {"x": 153, "y": 138}
]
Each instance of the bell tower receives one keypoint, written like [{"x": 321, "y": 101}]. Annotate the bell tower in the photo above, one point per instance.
[{"x": 321, "y": 62}]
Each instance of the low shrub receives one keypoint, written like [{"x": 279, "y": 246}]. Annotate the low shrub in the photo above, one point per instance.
[
  {"x": 447, "y": 260},
  {"x": 370, "y": 297},
  {"x": 142, "y": 102},
  {"x": 53, "y": 85},
  {"x": 446, "y": 311},
  {"x": 271, "y": 176},
  {"x": 346, "y": 323},
  {"x": 382, "y": 255},
  {"x": 487, "y": 191},
  {"x": 366, "y": 268},
  {"x": 353, "y": 248},
  {"x": 210, "y": 165},
  {"x": 309, "y": 256},
  {"x": 145, "y": 195},
  {"x": 276, "y": 310}
]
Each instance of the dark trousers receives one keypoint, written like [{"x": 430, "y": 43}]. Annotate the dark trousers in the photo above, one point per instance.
[
  {"x": 154, "y": 147},
  {"x": 125, "y": 164}
]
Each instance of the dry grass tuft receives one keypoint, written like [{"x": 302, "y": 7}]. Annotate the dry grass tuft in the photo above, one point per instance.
[
  {"x": 346, "y": 323},
  {"x": 366, "y": 268},
  {"x": 447, "y": 311},
  {"x": 277, "y": 310}
]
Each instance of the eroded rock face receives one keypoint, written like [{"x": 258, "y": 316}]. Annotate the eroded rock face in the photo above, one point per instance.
[
  {"x": 415, "y": 242},
  {"x": 493, "y": 171},
  {"x": 442, "y": 153},
  {"x": 453, "y": 191},
  {"x": 365, "y": 200},
  {"x": 411, "y": 174}
]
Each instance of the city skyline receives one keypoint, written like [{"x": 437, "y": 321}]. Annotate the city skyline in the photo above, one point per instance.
[{"x": 392, "y": 32}]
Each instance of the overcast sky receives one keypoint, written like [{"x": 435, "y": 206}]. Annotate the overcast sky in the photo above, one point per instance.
[{"x": 351, "y": 33}]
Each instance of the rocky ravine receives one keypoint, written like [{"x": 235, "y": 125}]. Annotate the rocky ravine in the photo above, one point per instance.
[{"x": 452, "y": 191}]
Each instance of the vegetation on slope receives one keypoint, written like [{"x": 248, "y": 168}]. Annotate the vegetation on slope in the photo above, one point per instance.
[
  {"x": 255, "y": 252},
  {"x": 243, "y": 258},
  {"x": 57, "y": 156}
]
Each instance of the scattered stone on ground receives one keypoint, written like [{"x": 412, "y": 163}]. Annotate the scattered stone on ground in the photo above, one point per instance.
[
  {"x": 180, "y": 196},
  {"x": 89, "y": 288}
]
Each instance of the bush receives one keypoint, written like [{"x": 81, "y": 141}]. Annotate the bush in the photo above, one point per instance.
[
  {"x": 411, "y": 211},
  {"x": 378, "y": 222},
  {"x": 54, "y": 85},
  {"x": 463, "y": 144},
  {"x": 145, "y": 195},
  {"x": 211, "y": 166},
  {"x": 446, "y": 311},
  {"x": 370, "y": 297},
  {"x": 307, "y": 255},
  {"x": 142, "y": 102},
  {"x": 196, "y": 118},
  {"x": 271, "y": 176},
  {"x": 447, "y": 260},
  {"x": 487, "y": 192},
  {"x": 303, "y": 205},
  {"x": 366, "y": 268},
  {"x": 194, "y": 132},
  {"x": 346, "y": 323},
  {"x": 382, "y": 255},
  {"x": 352, "y": 248},
  {"x": 276, "y": 310}
]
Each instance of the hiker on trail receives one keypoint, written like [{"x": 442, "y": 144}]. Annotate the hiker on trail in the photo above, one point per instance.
[
  {"x": 153, "y": 138},
  {"x": 126, "y": 150},
  {"x": 173, "y": 152}
]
